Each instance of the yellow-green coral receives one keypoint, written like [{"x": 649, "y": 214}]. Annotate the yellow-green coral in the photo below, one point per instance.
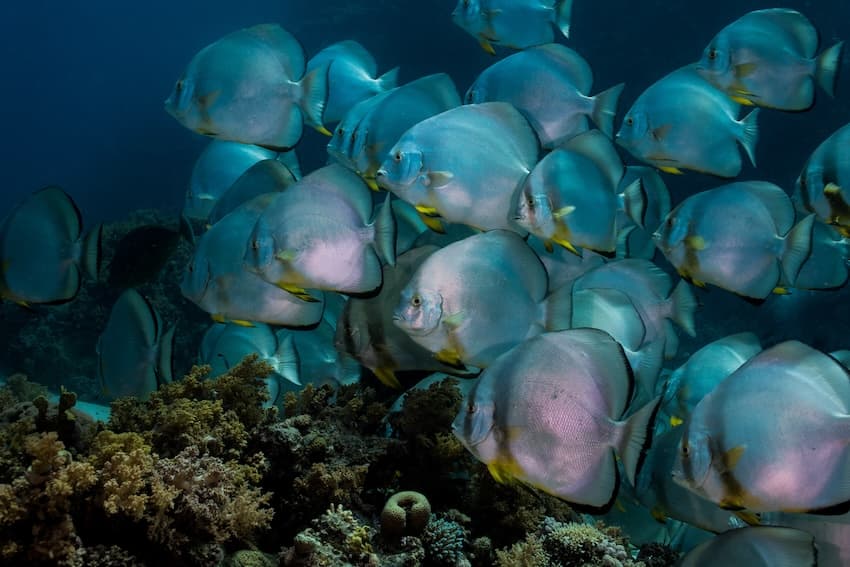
[{"x": 405, "y": 513}]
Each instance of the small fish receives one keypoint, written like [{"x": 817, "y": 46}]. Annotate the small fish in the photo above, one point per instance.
[
  {"x": 740, "y": 236},
  {"x": 317, "y": 234},
  {"x": 756, "y": 546},
  {"x": 683, "y": 122},
  {"x": 352, "y": 77},
  {"x": 134, "y": 352},
  {"x": 43, "y": 251},
  {"x": 767, "y": 58},
  {"x": 142, "y": 253},
  {"x": 464, "y": 165},
  {"x": 470, "y": 301},
  {"x": 703, "y": 370},
  {"x": 217, "y": 282},
  {"x": 250, "y": 87},
  {"x": 363, "y": 139},
  {"x": 822, "y": 187},
  {"x": 512, "y": 23},
  {"x": 791, "y": 455},
  {"x": 366, "y": 331},
  {"x": 225, "y": 345},
  {"x": 266, "y": 176},
  {"x": 548, "y": 413},
  {"x": 550, "y": 86},
  {"x": 570, "y": 197},
  {"x": 219, "y": 166}
]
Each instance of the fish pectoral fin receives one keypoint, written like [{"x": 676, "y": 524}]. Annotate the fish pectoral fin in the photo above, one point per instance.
[
  {"x": 781, "y": 290},
  {"x": 218, "y": 318},
  {"x": 454, "y": 320},
  {"x": 568, "y": 245},
  {"x": 387, "y": 377},
  {"x": 732, "y": 456},
  {"x": 676, "y": 421},
  {"x": 427, "y": 211},
  {"x": 437, "y": 179},
  {"x": 489, "y": 13},
  {"x": 242, "y": 322},
  {"x": 696, "y": 243},
  {"x": 298, "y": 292},
  {"x": 743, "y": 70},
  {"x": 322, "y": 130},
  {"x": 661, "y": 132},
  {"x": 208, "y": 99},
  {"x": 563, "y": 211},
  {"x": 286, "y": 255},
  {"x": 548, "y": 246}
]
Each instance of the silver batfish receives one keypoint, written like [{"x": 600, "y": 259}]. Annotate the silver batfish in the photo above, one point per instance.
[
  {"x": 550, "y": 84},
  {"x": 216, "y": 279},
  {"x": 266, "y": 176},
  {"x": 464, "y": 165},
  {"x": 756, "y": 546},
  {"x": 683, "y": 122},
  {"x": 767, "y": 58},
  {"x": 43, "y": 250},
  {"x": 512, "y": 23},
  {"x": 739, "y": 236},
  {"x": 792, "y": 455},
  {"x": 250, "y": 87},
  {"x": 547, "y": 413},
  {"x": 317, "y": 234},
  {"x": 823, "y": 187}
]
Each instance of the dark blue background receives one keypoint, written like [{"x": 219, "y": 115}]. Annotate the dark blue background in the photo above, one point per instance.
[{"x": 84, "y": 83}]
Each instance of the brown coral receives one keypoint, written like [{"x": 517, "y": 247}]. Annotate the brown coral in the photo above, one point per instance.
[{"x": 405, "y": 513}]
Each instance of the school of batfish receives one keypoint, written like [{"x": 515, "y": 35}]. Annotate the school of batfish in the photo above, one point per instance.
[{"x": 499, "y": 237}]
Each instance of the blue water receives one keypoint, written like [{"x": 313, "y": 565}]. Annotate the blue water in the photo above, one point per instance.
[{"x": 84, "y": 82}]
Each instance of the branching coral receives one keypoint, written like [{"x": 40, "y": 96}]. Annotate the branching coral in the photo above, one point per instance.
[{"x": 336, "y": 539}]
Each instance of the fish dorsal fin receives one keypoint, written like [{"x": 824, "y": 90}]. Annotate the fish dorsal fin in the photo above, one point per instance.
[
  {"x": 287, "y": 50},
  {"x": 439, "y": 87},
  {"x": 522, "y": 134},
  {"x": 776, "y": 201},
  {"x": 568, "y": 62},
  {"x": 598, "y": 148},
  {"x": 790, "y": 25},
  {"x": 353, "y": 51}
]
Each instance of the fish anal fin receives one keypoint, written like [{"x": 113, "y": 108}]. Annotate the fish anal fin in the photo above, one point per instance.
[{"x": 387, "y": 377}]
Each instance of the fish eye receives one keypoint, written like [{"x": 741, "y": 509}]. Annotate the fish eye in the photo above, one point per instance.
[
  {"x": 416, "y": 301},
  {"x": 179, "y": 86},
  {"x": 397, "y": 156},
  {"x": 340, "y": 131},
  {"x": 685, "y": 450},
  {"x": 190, "y": 268},
  {"x": 712, "y": 54},
  {"x": 255, "y": 244},
  {"x": 470, "y": 407},
  {"x": 630, "y": 121},
  {"x": 530, "y": 201}
]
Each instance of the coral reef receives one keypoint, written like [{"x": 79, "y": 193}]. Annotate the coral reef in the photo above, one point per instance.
[
  {"x": 405, "y": 513},
  {"x": 573, "y": 544}
]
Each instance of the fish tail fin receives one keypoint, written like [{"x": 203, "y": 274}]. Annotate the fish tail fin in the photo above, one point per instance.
[
  {"x": 826, "y": 71},
  {"x": 385, "y": 231},
  {"x": 635, "y": 202},
  {"x": 798, "y": 247},
  {"x": 165, "y": 357},
  {"x": 605, "y": 109},
  {"x": 559, "y": 309},
  {"x": 388, "y": 80},
  {"x": 92, "y": 252},
  {"x": 636, "y": 438},
  {"x": 563, "y": 14},
  {"x": 314, "y": 97},
  {"x": 285, "y": 360},
  {"x": 684, "y": 304},
  {"x": 750, "y": 134}
]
